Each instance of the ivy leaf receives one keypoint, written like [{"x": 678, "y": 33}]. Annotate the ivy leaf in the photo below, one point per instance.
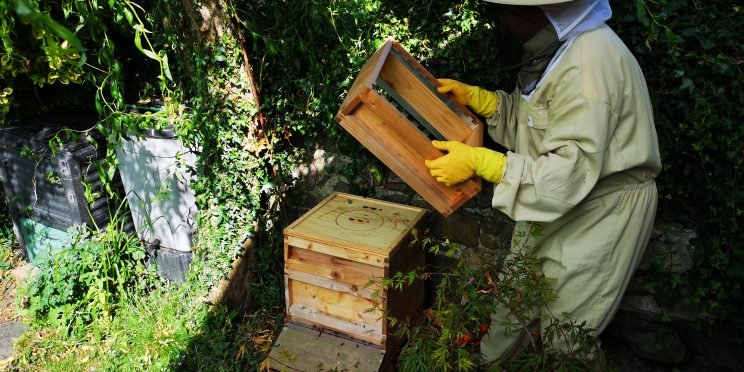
[
  {"x": 99, "y": 105},
  {"x": 377, "y": 173}
]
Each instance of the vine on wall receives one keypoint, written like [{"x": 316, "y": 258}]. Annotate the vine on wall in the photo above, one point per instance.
[{"x": 693, "y": 65}]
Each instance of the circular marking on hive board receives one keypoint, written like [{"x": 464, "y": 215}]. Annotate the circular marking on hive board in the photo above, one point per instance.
[{"x": 359, "y": 220}]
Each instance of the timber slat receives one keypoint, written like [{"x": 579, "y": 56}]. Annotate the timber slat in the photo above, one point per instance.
[
  {"x": 313, "y": 318},
  {"x": 332, "y": 267},
  {"x": 369, "y": 293}
]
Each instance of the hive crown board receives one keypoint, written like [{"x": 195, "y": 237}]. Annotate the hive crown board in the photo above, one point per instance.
[{"x": 368, "y": 225}]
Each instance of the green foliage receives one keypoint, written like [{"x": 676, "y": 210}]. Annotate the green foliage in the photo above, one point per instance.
[
  {"x": 35, "y": 47},
  {"x": 692, "y": 62},
  {"x": 143, "y": 58},
  {"x": 44, "y": 50},
  {"x": 171, "y": 329},
  {"x": 29, "y": 13},
  {"x": 305, "y": 56},
  {"x": 447, "y": 335},
  {"x": 150, "y": 54},
  {"x": 88, "y": 279},
  {"x": 8, "y": 243},
  {"x": 310, "y": 53}
]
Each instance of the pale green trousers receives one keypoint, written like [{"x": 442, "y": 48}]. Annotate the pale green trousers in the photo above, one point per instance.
[{"x": 589, "y": 255}]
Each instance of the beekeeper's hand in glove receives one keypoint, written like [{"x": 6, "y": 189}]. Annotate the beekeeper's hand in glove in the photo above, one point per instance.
[
  {"x": 463, "y": 161},
  {"x": 480, "y": 100}
]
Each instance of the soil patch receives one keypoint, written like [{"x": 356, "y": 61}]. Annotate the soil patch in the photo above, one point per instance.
[{"x": 8, "y": 288}]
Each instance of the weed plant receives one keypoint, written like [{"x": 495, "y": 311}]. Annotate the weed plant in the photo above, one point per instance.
[
  {"x": 88, "y": 278},
  {"x": 9, "y": 255},
  {"x": 446, "y": 336},
  {"x": 160, "y": 326}
]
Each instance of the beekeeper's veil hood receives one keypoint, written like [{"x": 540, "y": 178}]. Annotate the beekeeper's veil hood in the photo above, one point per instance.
[{"x": 569, "y": 18}]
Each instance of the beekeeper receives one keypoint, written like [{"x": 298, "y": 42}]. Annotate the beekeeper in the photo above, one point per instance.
[{"x": 583, "y": 154}]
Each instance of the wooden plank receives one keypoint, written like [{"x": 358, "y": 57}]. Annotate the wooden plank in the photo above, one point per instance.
[
  {"x": 357, "y": 310},
  {"x": 314, "y": 318},
  {"x": 332, "y": 267},
  {"x": 309, "y": 213},
  {"x": 398, "y": 153},
  {"x": 348, "y": 253},
  {"x": 423, "y": 100},
  {"x": 301, "y": 349},
  {"x": 462, "y": 111},
  {"x": 366, "y": 77},
  {"x": 428, "y": 130},
  {"x": 386, "y": 134},
  {"x": 287, "y": 295},
  {"x": 393, "y": 124},
  {"x": 334, "y": 285},
  {"x": 327, "y": 285},
  {"x": 407, "y": 257},
  {"x": 381, "y": 139},
  {"x": 475, "y": 138},
  {"x": 357, "y": 223},
  {"x": 381, "y": 203},
  {"x": 403, "y": 305},
  {"x": 406, "y": 302}
]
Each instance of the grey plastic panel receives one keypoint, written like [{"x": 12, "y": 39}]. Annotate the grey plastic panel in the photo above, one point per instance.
[{"x": 156, "y": 173}]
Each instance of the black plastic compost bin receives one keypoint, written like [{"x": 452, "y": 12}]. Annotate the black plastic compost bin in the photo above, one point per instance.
[{"x": 45, "y": 190}]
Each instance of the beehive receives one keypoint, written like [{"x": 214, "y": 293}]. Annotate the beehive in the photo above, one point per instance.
[
  {"x": 394, "y": 110},
  {"x": 335, "y": 250}
]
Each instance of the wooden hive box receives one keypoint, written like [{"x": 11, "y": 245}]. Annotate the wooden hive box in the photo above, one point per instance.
[
  {"x": 395, "y": 111},
  {"x": 333, "y": 252}
]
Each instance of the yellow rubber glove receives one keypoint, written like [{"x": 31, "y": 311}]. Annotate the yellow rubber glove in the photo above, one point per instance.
[
  {"x": 463, "y": 161},
  {"x": 480, "y": 100}
]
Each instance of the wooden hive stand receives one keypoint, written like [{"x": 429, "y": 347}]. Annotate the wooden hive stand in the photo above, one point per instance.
[
  {"x": 335, "y": 256},
  {"x": 395, "y": 111}
]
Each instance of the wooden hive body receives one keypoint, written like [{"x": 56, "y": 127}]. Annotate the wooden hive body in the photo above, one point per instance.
[
  {"x": 333, "y": 252},
  {"x": 394, "y": 110}
]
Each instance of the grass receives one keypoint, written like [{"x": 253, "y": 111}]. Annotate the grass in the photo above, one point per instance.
[{"x": 170, "y": 329}]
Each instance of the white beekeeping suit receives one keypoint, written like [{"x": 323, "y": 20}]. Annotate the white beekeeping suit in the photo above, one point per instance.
[{"x": 581, "y": 166}]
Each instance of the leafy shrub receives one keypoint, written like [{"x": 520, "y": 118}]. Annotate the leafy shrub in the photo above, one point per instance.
[
  {"x": 447, "y": 335},
  {"x": 692, "y": 62},
  {"x": 88, "y": 278}
]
